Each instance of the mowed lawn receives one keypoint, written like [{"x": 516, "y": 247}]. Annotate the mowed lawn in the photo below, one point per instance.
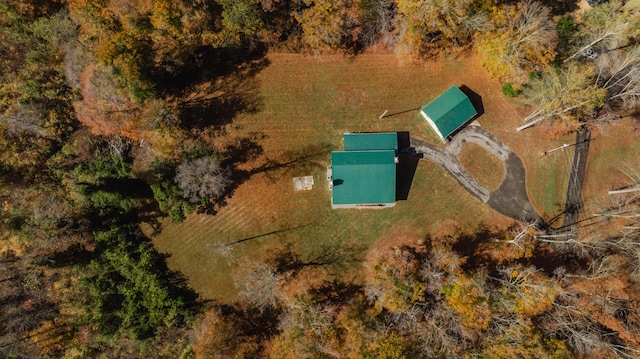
[{"x": 305, "y": 105}]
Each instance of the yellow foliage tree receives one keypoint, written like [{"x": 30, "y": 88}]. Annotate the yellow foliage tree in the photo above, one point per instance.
[
  {"x": 533, "y": 292},
  {"x": 523, "y": 41},
  {"x": 467, "y": 297},
  {"x": 324, "y": 23},
  {"x": 395, "y": 285},
  {"x": 522, "y": 340},
  {"x": 446, "y": 21}
]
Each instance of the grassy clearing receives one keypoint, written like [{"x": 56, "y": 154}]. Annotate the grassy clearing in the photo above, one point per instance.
[
  {"x": 482, "y": 165},
  {"x": 613, "y": 155},
  {"x": 306, "y": 105},
  {"x": 549, "y": 181}
]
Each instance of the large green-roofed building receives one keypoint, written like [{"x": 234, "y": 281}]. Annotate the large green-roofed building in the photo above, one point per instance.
[
  {"x": 364, "y": 174},
  {"x": 449, "y": 112}
]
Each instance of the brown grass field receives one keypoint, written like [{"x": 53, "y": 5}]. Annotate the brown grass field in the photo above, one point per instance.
[
  {"x": 482, "y": 165},
  {"x": 305, "y": 105}
]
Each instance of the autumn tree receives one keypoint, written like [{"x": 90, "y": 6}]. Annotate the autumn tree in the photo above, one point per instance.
[
  {"x": 325, "y": 23},
  {"x": 241, "y": 20},
  {"x": 529, "y": 291},
  {"x": 130, "y": 57},
  {"x": 25, "y": 304},
  {"x": 522, "y": 41},
  {"x": 395, "y": 283},
  {"x": 421, "y": 23},
  {"x": 34, "y": 96},
  {"x": 107, "y": 109},
  {"x": 308, "y": 330}
]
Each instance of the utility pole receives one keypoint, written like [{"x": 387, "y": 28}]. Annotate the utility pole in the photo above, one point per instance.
[{"x": 556, "y": 149}]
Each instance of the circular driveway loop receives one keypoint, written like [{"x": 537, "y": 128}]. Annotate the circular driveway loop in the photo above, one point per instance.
[{"x": 510, "y": 198}]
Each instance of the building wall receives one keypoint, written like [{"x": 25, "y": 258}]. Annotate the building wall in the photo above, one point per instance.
[{"x": 433, "y": 125}]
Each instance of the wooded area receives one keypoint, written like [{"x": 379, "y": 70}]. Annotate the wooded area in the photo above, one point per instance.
[{"x": 109, "y": 112}]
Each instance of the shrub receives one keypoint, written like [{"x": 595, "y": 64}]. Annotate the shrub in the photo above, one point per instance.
[{"x": 509, "y": 91}]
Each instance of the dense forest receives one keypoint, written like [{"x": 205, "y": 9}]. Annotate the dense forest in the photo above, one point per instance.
[{"x": 106, "y": 111}]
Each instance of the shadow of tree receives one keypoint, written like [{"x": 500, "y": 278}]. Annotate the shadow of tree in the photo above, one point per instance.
[
  {"x": 246, "y": 149},
  {"x": 216, "y": 105},
  {"x": 336, "y": 292},
  {"x": 262, "y": 235},
  {"x": 332, "y": 257},
  {"x": 473, "y": 247},
  {"x": 243, "y": 150},
  {"x": 312, "y": 157},
  {"x": 255, "y": 321},
  {"x": 128, "y": 187},
  {"x": 149, "y": 213},
  {"x": 215, "y": 85},
  {"x": 208, "y": 63},
  {"x": 485, "y": 248}
]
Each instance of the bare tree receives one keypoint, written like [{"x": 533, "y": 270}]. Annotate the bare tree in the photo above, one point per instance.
[
  {"x": 563, "y": 96},
  {"x": 377, "y": 22},
  {"x": 258, "y": 285},
  {"x": 221, "y": 249},
  {"x": 569, "y": 322},
  {"x": 29, "y": 118},
  {"x": 202, "y": 178},
  {"x": 605, "y": 27},
  {"x": 435, "y": 327},
  {"x": 620, "y": 76}
]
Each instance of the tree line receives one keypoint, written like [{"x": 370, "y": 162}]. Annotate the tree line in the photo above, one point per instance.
[{"x": 487, "y": 294}]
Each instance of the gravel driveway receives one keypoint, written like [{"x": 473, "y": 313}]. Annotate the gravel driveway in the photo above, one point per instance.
[{"x": 510, "y": 198}]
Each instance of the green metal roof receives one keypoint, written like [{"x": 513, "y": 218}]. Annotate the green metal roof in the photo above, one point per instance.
[
  {"x": 450, "y": 111},
  {"x": 370, "y": 141},
  {"x": 364, "y": 177}
]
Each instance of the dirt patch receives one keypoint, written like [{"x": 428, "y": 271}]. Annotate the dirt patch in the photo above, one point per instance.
[{"x": 486, "y": 168}]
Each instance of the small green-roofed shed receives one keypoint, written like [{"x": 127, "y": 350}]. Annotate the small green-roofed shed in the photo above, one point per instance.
[
  {"x": 370, "y": 141},
  {"x": 449, "y": 112},
  {"x": 363, "y": 178}
]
